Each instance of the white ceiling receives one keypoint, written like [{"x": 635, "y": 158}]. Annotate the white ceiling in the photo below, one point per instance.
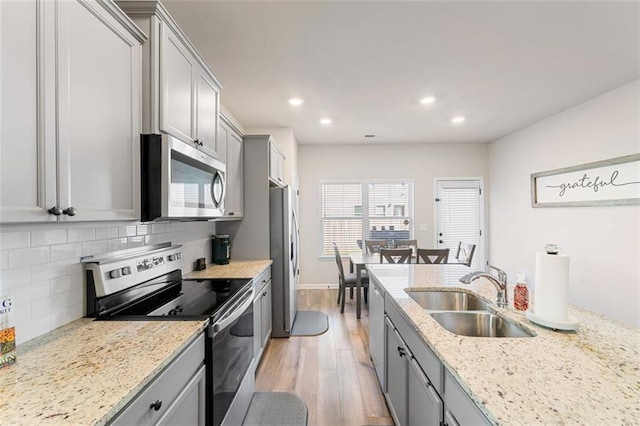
[{"x": 504, "y": 65}]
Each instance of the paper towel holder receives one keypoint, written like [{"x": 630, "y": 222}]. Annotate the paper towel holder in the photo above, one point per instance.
[{"x": 552, "y": 248}]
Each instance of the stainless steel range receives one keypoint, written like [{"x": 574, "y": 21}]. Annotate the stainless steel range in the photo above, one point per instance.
[{"x": 146, "y": 284}]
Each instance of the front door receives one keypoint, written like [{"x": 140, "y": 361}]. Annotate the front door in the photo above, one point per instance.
[{"x": 459, "y": 216}]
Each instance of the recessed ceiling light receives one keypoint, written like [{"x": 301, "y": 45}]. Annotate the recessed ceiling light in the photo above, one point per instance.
[
  {"x": 326, "y": 121},
  {"x": 458, "y": 119},
  {"x": 429, "y": 99},
  {"x": 295, "y": 101}
]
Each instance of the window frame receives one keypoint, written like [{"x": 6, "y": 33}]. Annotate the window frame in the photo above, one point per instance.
[{"x": 365, "y": 218}]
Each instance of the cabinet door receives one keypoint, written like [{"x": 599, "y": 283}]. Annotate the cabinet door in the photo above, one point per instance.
[
  {"x": 207, "y": 113},
  {"x": 98, "y": 112},
  {"x": 266, "y": 314},
  {"x": 459, "y": 406},
  {"x": 235, "y": 175},
  {"x": 276, "y": 165},
  {"x": 176, "y": 86},
  {"x": 396, "y": 375},
  {"x": 189, "y": 407},
  {"x": 376, "y": 330},
  {"x": 25, "y": 192},
  {"x": 425, "y": 405}
]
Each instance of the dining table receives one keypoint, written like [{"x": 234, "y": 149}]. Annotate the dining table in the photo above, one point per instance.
[{"x": 358, "y": 262}]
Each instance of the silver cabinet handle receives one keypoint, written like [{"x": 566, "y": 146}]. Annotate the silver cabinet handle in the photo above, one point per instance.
[
  {"x": 55, "y": 210},
  {"x": 70, "y": 211}
]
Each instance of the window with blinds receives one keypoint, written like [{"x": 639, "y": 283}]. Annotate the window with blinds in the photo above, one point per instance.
[{"x": 355, "y": 211}]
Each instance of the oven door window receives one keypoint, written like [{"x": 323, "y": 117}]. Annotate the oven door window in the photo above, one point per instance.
[{"x": 192, "y": 187}]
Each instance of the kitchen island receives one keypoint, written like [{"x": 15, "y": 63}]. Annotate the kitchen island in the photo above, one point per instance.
[{"x": 591, "y": 376}]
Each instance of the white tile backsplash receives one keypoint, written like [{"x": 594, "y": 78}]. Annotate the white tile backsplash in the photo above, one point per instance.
[
  {"x": 127, "y": 231},
  {"x": 14, "y": 240},
  {"x": 48, "y": 305},
  {"x": 66, "y": 251},
  {"x": 106, "y": 232},
  {"x": 48, "y": 237},
  {"x": 94, "y": 247},
  {"x": 46, "y": 271},
  {"x": 4, "y": 260},
  {"x": 11, "y": 278},
  {"x": 81, "y": 234},
  {"x": 27, "y": 257},
  {"x": 40, "y": 264}
]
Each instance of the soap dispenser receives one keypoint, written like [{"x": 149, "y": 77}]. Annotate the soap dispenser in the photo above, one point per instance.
[{"x": 521, "y": 293}]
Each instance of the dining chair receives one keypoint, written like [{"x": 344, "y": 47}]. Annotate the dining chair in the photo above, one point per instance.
[
  {"x": 464, "y": 255},
  {"x": 374, "y": 246},
  {"x": 406, "y": 243},
  {"x": 432, "y": 256},
  {"x": 396, "y": 255},
  {"x": 348, "y": 280}
]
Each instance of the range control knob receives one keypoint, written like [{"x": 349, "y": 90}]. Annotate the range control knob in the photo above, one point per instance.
[
  {"x": 116, "y": 273},
  {"x": 126, "y": 270}
]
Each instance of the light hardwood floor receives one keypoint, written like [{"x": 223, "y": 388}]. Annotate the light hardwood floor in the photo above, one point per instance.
[{"x": 331, "y": 372}]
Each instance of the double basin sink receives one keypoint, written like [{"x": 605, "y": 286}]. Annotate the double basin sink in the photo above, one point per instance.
[{"x": 465, "y": 314}]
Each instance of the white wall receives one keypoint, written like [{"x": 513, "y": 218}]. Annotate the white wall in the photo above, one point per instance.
[
  {"x": 602, "y": 242},
  {"x": 40, "y": 264},
  {"x": 421, "y": 162}
]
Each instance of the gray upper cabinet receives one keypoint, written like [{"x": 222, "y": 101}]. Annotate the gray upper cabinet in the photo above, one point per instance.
[
  {"x": 70, "y": 112},
  {"x": 230, "y": 150},
  {"x": 181, "y": 94},
  {"x": 276, "y": 165}
]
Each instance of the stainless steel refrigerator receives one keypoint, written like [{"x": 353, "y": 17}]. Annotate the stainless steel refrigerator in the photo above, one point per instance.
[{"x": 283, "y": 220}]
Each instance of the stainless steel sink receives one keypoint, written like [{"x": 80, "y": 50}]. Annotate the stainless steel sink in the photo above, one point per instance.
[
  {"x": 435, "y": 300},
  {"x": 478, "y": 324}
]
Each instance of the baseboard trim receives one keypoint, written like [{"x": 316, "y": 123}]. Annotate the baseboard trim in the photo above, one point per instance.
[{"x": 317, "y": 286}]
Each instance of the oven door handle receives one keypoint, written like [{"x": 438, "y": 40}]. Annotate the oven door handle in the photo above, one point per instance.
[{"x": 232, "y": 314}]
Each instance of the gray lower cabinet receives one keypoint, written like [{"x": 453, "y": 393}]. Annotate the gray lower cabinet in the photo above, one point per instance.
[
  {"x": 418, "y": 389},
  {"x": 261, "y": 315},
  {"x": 425, "y": 405},
  {"x": 175, "y": 396},
  {"x": 412, "y": 399},
  {"x": 459, "y": 408},
  {"x": 376, "y": 329},
  {"x": 396, "y": 377}
]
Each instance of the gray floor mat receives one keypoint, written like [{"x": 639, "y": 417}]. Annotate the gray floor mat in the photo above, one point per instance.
[
  {"x": 310, "y": 323},
  {"x": 276, "y": 409}
]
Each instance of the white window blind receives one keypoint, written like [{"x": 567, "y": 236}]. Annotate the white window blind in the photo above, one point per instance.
[
  {"x": 352, "y": 212},
  {"x": 460, "y": 217}
]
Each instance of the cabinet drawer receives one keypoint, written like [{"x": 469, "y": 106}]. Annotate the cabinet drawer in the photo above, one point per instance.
[
  {"x": 164, "y": 388},
  {"x": 429, "y": 362},
  {"x": 262, "y": 280}
]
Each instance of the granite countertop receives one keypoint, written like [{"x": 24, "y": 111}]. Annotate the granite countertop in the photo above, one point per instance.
[
  {"x": 234, "y": 269},
  {"x": 85, "y": 372},
  {"x": 588, "y": 376}
]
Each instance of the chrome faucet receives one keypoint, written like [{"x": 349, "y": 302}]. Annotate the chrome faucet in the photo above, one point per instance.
[{"x": 500, "y": 282}]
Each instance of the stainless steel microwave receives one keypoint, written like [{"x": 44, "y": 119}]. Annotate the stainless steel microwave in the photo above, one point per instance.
[{"x": 179, "y": 181}]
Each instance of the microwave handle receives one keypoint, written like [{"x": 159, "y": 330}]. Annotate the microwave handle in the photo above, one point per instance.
[{"x": 223, "y": 194}]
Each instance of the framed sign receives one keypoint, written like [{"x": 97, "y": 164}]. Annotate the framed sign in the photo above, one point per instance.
[{"x": 613, "y": 182}]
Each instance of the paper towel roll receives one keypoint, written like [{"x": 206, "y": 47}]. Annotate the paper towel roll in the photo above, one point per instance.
[{"x": 551, "y": 286}]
